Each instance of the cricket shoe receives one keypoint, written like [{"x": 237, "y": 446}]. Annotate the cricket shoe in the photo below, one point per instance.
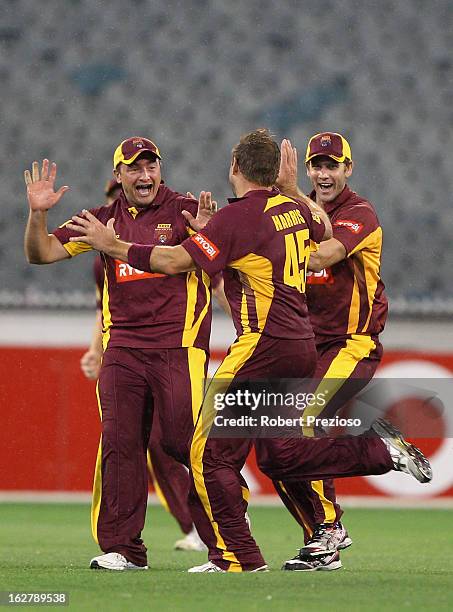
[
  {"x": 405, "y": 456},
  {"x": 210, "y": 568},
  {"x": 326, "y": 538},
  {"x": 191, "y": 541},
  {"x": 114, "y": 561},
  {"x": 301, "y": 563}
]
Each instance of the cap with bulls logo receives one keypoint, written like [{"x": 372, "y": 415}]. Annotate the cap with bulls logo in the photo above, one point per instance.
[
  {"x": 329, "y": 144},
  {"x": 128, "y": 151}
]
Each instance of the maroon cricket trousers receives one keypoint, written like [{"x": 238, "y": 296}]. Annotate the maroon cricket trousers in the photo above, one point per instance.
[
  {"x": 133, "y": 384},
  {"x": 218, "y": 497},
  {"x": 351, "y": 363}
]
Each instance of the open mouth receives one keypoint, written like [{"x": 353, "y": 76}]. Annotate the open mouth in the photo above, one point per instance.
[
  {"x": 144, "y": 190},
  {"x": 325, "y": 186}
]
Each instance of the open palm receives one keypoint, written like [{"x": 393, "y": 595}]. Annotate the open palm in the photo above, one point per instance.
[
  {"x": 41, "y": 192},
  {"x": 207, "y": 208}
]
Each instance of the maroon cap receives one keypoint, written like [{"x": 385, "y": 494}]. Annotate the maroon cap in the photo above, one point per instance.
[
  {"x": 128, "y": 151},
  {"x": 330, "y": 144}
]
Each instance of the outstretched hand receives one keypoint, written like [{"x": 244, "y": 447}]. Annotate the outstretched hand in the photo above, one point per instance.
[
  {"x": 287, "y": 175},
  {"x": 91, "y": 231},
  {"x": 207, "y": 207},
  {"x": 41, "y": 192}
]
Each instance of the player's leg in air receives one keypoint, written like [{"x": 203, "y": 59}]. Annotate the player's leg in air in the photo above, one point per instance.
[{"x": 344, "y": 368}]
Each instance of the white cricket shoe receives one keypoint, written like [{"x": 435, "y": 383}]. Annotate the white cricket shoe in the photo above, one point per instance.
[
  {"x": 211, "y": 567},
  {"x": 302, "y": 563},
  {"x": 114, "y": 561},
  {"x": 326, "y": 538},
  {"x": 208, "y": 568},
  {"x": 405, "y": 456},
  {"x": 191, "y": 541}
]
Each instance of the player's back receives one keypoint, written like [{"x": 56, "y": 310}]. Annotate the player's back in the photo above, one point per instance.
[{"x": 263, "y": 239}]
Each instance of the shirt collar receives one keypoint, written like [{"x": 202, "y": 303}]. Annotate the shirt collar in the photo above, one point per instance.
[{"x": 255, "y": 192}]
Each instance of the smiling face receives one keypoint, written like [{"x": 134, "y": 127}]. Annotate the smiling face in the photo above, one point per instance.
[
  {"x": 328, "y": 177},
  {"x": 140, "y": 180}
]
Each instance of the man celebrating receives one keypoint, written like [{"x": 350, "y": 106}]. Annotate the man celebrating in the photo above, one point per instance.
[
  {"x": 264, "y": 284},
  {"x": 156, "y": 333},
  {"x": 348, "y": 309},
  {"x": 169, "y": 478}
]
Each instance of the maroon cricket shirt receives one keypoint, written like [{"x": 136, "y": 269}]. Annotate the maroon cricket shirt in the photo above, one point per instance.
[
  {"x": 349, "y": 298},
  {"x": 263, "y": 241},
  {"x": 146, "y": 310}
]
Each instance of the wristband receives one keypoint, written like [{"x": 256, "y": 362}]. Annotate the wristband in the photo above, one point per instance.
[{"x": 138, "y": 256}]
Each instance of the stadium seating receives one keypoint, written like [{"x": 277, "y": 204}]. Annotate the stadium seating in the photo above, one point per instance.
[{"x": 78, "y": 77}]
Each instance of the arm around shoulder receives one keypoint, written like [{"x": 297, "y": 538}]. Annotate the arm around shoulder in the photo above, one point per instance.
[{"x": 330, "y": 252}]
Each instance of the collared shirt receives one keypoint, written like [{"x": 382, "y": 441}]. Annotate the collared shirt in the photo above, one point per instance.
[
  {"x": 349, "y": 298},
  {"x": 262, "y": 242},
  {"x": 145, "y": 310}
]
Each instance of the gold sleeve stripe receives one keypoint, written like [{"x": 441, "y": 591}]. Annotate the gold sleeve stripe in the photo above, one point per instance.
[
  {"x": 370, "y": 242},
  {"x": 240, "y": 353},
  {"x": 75, "y": 248}
]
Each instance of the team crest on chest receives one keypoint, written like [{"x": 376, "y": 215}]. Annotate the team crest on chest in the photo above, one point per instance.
[{"x": 163, "y": 232}]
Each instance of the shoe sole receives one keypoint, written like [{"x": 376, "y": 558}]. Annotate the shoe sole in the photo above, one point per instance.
[
  {"x": 96, "y": 566},
  {"x": 347, "y": 542},
  {"x": 335, "y": 565},
  {"x": 263, "y": 568},
  {"x": 419, "y": 465}
]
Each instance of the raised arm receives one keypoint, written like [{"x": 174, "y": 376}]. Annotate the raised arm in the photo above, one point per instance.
[
  {"x": 40, "y": 246},
  {"x": 287, "y": 183}
]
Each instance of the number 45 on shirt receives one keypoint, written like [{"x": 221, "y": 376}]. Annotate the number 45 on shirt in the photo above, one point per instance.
[{"x": 296, "y": 261}]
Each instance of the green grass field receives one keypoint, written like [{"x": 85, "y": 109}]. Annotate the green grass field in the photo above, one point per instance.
[{"x": 401, "y": 559}]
